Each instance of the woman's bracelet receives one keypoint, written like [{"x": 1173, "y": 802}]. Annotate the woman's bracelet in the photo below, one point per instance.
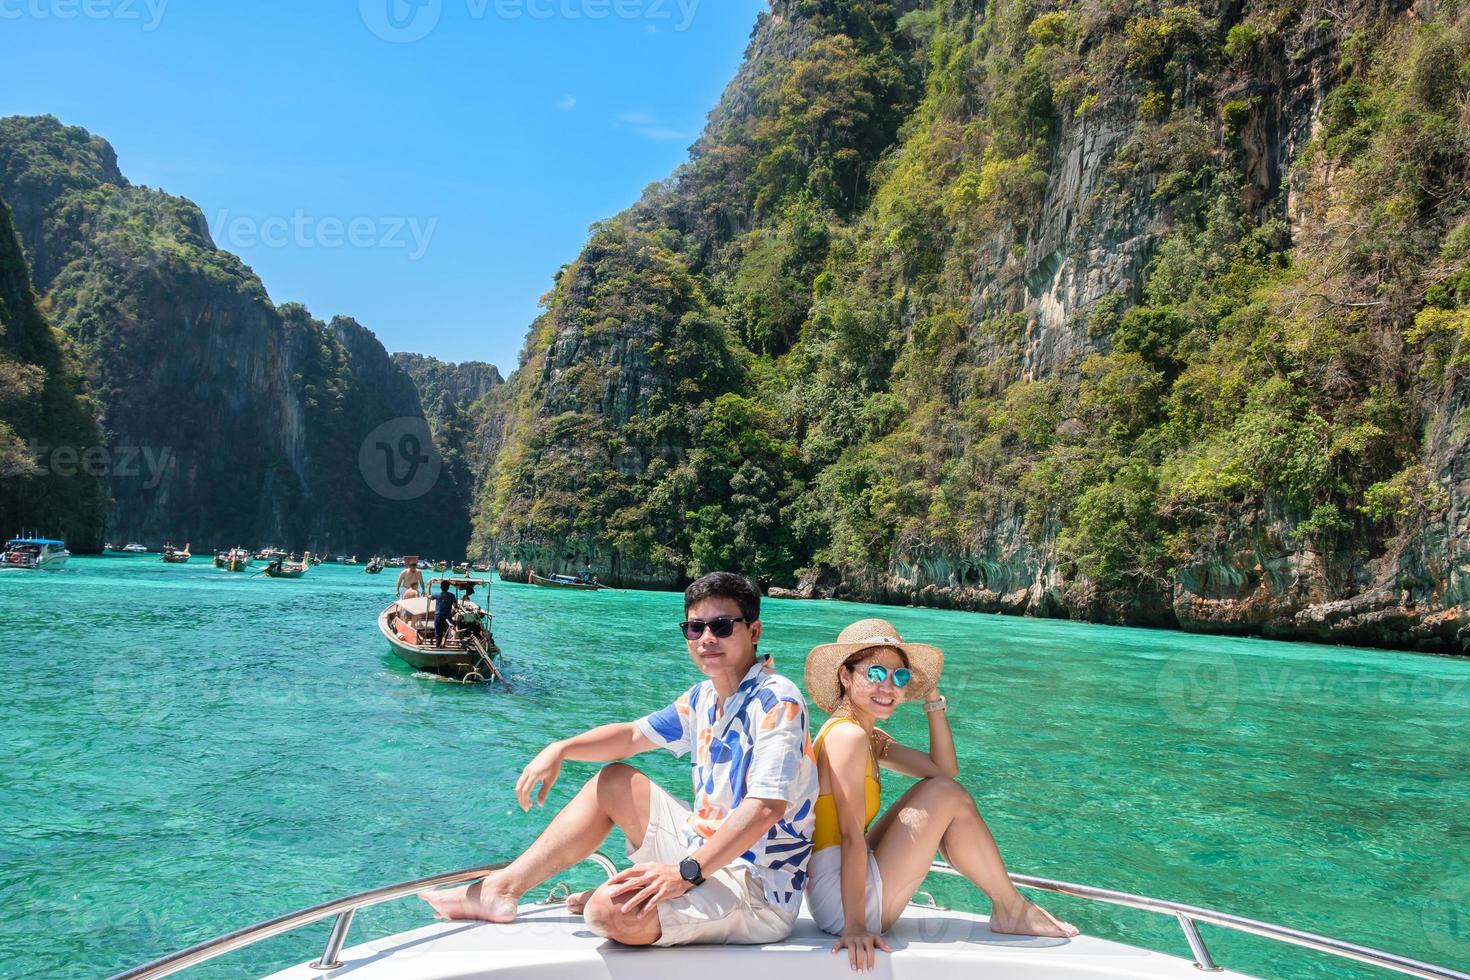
[{"x": 940, "y": 703}]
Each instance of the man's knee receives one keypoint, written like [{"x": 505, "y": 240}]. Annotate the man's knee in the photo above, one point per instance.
[
  {"x": 605, "y": 917},
  {"x": 615, "y": 786}
]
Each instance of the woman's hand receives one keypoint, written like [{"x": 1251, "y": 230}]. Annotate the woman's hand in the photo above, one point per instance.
[
  {"x": 862, "y": 947},
  {"x": 544, "y": 769}
]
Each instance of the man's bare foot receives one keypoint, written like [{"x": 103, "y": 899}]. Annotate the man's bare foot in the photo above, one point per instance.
[
  {"x": 1029, "y": 919},
  {"x": 577, "y": 902},
  {"x": 481, "y": 901}
]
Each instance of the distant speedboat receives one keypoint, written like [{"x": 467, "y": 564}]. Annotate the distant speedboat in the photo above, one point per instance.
[
  {"x": 34, "y": 554},
  {"x": 135, "y": 548},
  {"x": 270, "y": 554},
  {"x": 174, "y": 556}
]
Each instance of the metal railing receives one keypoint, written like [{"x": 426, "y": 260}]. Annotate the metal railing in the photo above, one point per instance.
[
  {"x": 1189, "y": 915},
  {"x": 341, "y": 910}
]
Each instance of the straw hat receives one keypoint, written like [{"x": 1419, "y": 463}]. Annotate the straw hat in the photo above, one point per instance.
[{"x": 926, "y": 662}]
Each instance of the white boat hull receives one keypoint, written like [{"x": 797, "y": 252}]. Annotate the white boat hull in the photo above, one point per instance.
[{"x": 928, "y": 944}]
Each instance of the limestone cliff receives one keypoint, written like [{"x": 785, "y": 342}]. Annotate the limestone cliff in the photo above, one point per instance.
[
  {"x": 240, "y": 422},
  {"x": 48, "y": 483},
  {"x": 1142, "y": 312}
]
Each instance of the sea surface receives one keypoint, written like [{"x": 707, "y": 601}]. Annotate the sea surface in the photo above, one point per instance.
[{"x": 184, "y": 751}]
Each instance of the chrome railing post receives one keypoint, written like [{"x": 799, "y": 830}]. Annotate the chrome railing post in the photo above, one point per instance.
[
  {"x": 1202, "y": 960},
  {"x": 335, "y": 941}
]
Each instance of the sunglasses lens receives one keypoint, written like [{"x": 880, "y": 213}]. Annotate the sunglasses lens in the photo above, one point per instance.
[
  {"x": 901, "y": 677},
  {"x": 721, "y": 628},
  {"x": 877, "y": 674}
]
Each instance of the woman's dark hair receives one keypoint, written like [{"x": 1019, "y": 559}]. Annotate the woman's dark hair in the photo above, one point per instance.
[{"x": 726, "y": 585}]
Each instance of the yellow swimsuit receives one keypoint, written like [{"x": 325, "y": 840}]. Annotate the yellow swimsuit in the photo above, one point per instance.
[{"x": 827, "y": 832}]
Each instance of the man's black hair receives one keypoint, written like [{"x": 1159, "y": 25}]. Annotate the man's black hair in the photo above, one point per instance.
[
  {"x": 443, "y": 586},
  {"x": 726, "y": 585}
]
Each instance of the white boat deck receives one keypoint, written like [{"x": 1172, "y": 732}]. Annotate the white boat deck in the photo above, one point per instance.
[{"x": 549, "y": 944}]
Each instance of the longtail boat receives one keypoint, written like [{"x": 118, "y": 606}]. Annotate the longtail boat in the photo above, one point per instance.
[
  {"x": 234, "y": 560},
  {"x": 174, "y": 556},
  {"x": 281, "y": 568},
  {"x": 566, "y": 582},
  {"x": 469, "y": 653}
]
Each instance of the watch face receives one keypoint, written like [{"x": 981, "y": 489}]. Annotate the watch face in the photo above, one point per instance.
[{"x": 689, "y": 869}]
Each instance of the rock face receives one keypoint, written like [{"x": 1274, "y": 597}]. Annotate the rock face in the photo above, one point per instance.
[
  {"x": 42, "y": 408},
  {"x": 1131, "y": 313},
  {"x": 233, "y": 421}
]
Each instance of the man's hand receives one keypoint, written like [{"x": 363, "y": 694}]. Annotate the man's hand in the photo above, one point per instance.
[
  {"x": 544, "y": 769},
  {"x": 647, "y": 886}
]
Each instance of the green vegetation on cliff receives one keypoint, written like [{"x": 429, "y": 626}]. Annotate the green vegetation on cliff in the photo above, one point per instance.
[
  {"x": 254, "y": 418},
  {"x": 42, "y": 407},
  {"x": 1142, "y": 310}
]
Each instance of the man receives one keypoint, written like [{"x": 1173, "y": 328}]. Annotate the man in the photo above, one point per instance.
[
  {"x": 410, "y": 578},
  {"x": 444, "y": 604},
  {"x": 729, "y": 871}
]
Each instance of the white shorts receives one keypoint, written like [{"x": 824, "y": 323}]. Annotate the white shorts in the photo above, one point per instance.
[
  {"x": 730, "y": 907},
  {"x": 824, "y": 891}
]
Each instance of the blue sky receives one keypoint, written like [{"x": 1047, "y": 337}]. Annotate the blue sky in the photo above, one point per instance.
[{"x": 422, "y": 165}]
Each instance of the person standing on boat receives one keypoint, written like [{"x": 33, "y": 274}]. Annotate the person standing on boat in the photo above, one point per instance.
[
  {"x": 863, "y": 874},
  {"x": 410, "y": 579},
  {"x": 444, "y": 604},
  {"x": 729, "y": 870}
]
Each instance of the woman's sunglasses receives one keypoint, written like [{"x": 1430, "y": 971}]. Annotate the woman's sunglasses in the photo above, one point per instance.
[
  {"x": 877, "y": 674},
  {"x": 721, "y": 627}
]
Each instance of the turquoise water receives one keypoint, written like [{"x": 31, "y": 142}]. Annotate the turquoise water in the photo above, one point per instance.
[{"x": 183, "y": 751}]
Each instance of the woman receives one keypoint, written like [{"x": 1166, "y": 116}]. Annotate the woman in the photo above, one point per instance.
[{"x": 873, "y": 869}]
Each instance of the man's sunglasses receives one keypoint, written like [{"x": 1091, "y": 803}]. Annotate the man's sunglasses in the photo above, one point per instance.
[
  {"x": 878, "y": 673},
  {"x": 721, "y": 627}
]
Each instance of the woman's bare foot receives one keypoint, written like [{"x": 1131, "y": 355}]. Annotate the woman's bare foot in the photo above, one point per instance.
[
  {"x": 482, "y": 901},
  {"x": 577, "y": 902},
  {"x": 1029, "y": 919}
]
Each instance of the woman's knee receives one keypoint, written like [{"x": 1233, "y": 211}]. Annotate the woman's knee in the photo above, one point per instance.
[{"x": 942, "y": 789}]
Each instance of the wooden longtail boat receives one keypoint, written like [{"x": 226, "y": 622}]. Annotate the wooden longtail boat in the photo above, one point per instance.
[
  {"x": 566, "y": 582},
  {"x": 469, "y": 654},
  {"x": 174, "y": 556},
  {"x": 234, "y": 560},
  {"x": 286, "y": 569}
]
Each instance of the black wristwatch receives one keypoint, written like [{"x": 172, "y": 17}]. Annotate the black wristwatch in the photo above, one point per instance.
[{"x": 691, "y": 872}]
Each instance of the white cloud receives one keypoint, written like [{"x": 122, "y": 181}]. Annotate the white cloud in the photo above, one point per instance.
[
  {"x": 567, "y": 104},
  {"x": 652, "y": 128}
]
